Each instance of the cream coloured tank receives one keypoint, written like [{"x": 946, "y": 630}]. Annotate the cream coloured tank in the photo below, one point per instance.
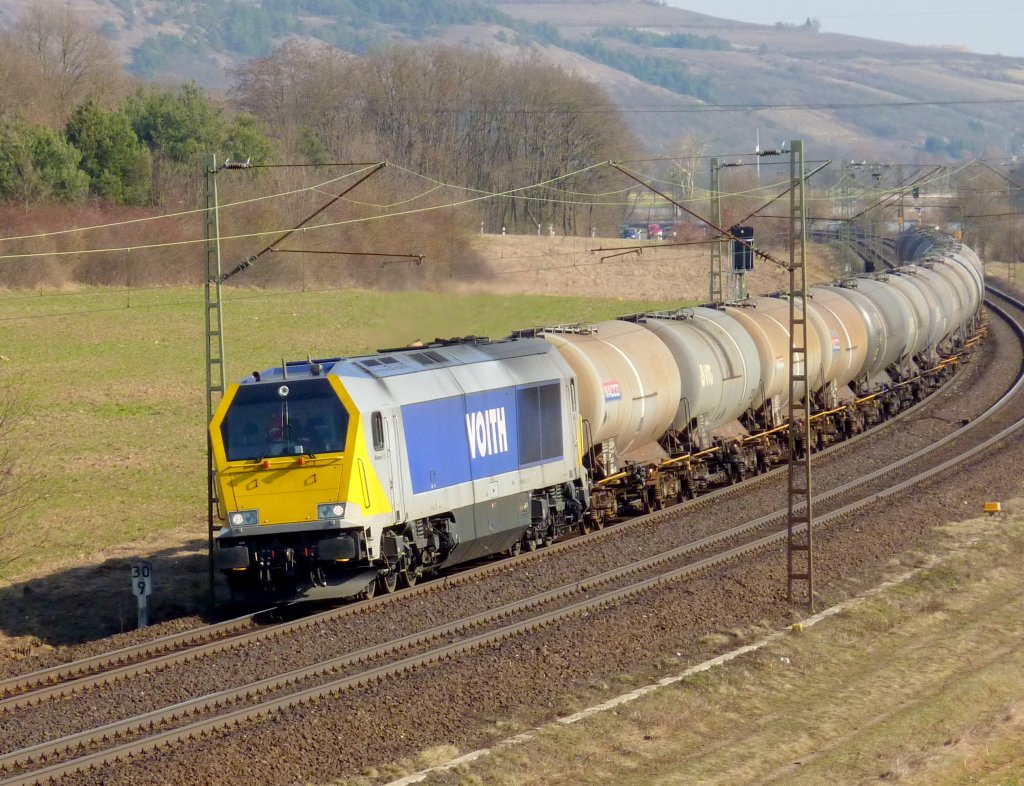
[
  {"x": 718, "y": 364},
  {"x": 628, "y": 385},
  {"x": 899, "y": 318},
  {"x": 767, "y": 322},
  {"x": 848, "y": 333}
]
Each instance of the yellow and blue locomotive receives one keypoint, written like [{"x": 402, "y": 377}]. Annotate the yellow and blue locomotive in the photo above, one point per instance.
[{"x": 365, "y": 473}]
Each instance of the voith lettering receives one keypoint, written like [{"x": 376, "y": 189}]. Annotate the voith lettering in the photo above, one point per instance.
[{"x": 486, "y": 432}]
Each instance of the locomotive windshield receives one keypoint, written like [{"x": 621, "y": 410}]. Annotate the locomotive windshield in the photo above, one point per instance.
[{"x": 286, "y": 418}]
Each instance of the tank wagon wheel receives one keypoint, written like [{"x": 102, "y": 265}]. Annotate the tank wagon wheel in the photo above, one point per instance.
[
  {"x": 735, "y": 474},
  {"x": 407, "y": 578},
  {"x": 583, "y": 526},
  {"x": 596, "y": 521},
  {"x": 515, "y": 549},
  {"x": 650, "y": 501}
]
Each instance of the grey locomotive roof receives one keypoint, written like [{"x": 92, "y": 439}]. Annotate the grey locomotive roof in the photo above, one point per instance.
[
  {"x": 408, "y": 360},
  {"x": 387, "y": 363}
]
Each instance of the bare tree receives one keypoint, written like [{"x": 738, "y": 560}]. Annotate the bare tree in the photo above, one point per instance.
[
  {"x": 689, "y": 164},
  {"x": 68, "y": 59},
  {"x": 985, "y": 200},
  {"x": 18, "y": 76},
  {"x": 463, "y": 117},
  {"x": 305, "y": 93}
]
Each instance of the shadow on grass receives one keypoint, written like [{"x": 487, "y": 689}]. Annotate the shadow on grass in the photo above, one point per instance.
[{"x": 85, "y": 603}]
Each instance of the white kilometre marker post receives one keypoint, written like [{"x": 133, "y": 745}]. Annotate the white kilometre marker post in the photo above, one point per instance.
[{"x": 142, "y": 588}]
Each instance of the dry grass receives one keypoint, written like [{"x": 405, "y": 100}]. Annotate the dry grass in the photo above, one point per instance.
[{"x": 598, "y": 267}]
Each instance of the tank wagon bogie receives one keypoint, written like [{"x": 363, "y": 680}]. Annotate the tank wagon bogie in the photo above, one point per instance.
[{"x": 353, "y": 475}]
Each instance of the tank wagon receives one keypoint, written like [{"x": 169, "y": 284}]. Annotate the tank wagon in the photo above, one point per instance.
[{"x": 364, "y": 474}]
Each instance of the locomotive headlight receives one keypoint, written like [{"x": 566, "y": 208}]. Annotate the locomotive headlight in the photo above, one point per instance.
[
  {"x": 244, "y": 518},
  {"x": 330, "y": 510}
]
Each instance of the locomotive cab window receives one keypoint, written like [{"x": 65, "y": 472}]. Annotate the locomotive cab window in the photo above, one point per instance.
[{"x": 300, "y": 417}]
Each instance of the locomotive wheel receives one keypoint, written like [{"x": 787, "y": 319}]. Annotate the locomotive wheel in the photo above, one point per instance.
[
  {"x": 407, "y": 578},
  {"x": 584, "y": 527},
  {"x": 529, "y": 544},
  {"x": 368, "y": 592},
  {"x": 387, "y": 582},
  {"x": 515, "y": 549}
]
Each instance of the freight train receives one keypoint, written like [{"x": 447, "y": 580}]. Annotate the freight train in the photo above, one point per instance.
[{"x": 349, "y": 476}]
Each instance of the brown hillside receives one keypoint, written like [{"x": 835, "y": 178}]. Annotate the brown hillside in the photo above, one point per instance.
[
  {"x": 597, "y": 267},
  {"x": 845, "y": 96}
]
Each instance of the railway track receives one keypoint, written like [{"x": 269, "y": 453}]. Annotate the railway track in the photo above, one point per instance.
[
  {"x": 875, "y": 252},
  {"x": 396, "y": 655}
]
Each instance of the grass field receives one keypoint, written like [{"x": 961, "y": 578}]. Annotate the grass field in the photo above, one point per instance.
[{"x": 112, "y": 388}]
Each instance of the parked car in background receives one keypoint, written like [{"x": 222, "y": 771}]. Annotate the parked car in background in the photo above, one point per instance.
[
  {"x": 630, "y": 233},
  {"x": 654, "y": 231}
]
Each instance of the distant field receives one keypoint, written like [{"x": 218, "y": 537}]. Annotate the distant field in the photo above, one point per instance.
[{"x": 112, "y": 384}]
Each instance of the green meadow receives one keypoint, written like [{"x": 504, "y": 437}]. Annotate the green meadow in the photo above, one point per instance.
[{"x": 110, "y": 387}]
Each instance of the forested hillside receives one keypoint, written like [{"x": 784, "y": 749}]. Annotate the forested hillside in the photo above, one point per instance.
[
  {"x": 491, "y": 117},
  {"x": 670, "y": 71}
]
